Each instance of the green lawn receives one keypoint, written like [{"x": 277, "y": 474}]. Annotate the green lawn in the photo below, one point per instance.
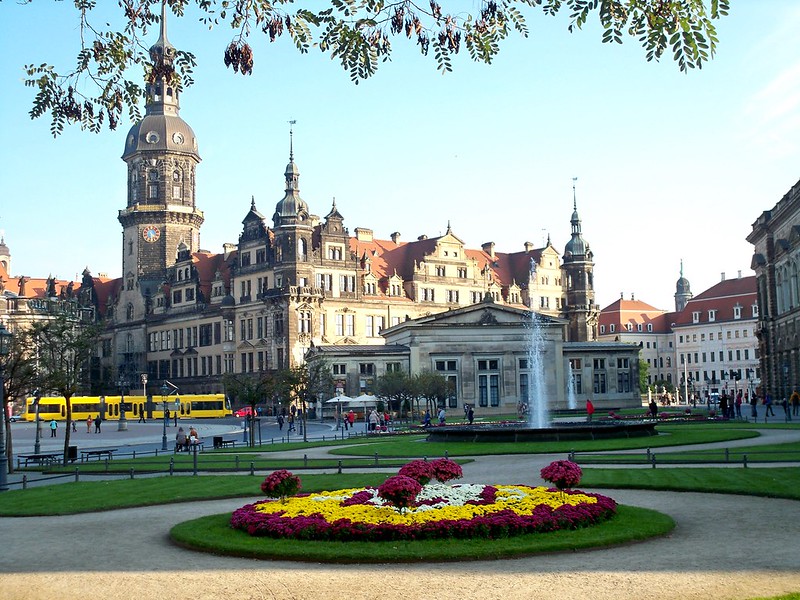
[{"x": 776, "y": 482}]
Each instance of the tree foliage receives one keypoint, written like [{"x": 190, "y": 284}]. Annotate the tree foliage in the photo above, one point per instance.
[
  {"x": 303, "y": 384},
  {"x": 398, "y": 388},
  {"x": 357, "y": 33},
  {"x": 249, "y": 389},
  {"x": 62, "y": 348}
]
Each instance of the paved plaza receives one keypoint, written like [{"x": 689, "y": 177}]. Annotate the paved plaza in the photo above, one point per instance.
[{"x": 724, "y": 547}]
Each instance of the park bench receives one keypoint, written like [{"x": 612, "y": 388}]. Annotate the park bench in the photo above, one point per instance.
[
  {"x": 43, "y": 458},
  {"x": 107, "y": 452}
]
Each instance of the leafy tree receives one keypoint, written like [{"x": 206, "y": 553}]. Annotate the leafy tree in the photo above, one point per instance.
[
  {"x": 644, "y": 369},
  {"x": 357, "y": 33},
  {"x": 398, "y": 387},
  {"x": 19, "y": 378},
  {"x": 62, "y": 347},
  {"x": 251, "y": 388},
  {"x": 303, "y": 384},
  {"x": 433, "y": 388}
]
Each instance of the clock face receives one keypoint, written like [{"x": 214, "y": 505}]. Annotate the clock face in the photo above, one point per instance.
[{"x": 151, "y": 233}]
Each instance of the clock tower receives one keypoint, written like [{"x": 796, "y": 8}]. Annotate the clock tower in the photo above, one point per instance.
[{"x": 160, "y": 214}]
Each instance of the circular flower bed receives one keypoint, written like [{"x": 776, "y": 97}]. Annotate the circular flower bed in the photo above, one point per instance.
[{"x": 404, "y": 509}]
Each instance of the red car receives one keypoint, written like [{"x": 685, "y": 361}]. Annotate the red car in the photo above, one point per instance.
[{"x": 245, "y": 411}]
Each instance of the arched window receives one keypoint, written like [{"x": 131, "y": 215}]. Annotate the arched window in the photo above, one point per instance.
[
  {"x": 152, "y": 185},
  {"x": 302, "y": 250},
  {"x": 177, "y": 188},
  {"x": 129, "y": 312}
]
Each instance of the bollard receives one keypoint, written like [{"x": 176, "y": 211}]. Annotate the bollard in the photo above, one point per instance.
[
  {"x": 252, "y": 468},
  {"x": 134, "y": 455},
  {"x": 744, "y": 460},
  {"x": 24, "y": 482},
  {"x": 376, "y": 459},
  {"x": 305, "y": 460},
  {"x": 76, "y": 474},
  {"x": 727, "y": 455},
  {"x": 653, "y": 460},
  {"x": 571, "y": 456},
  {"x": 648, "y": 454},
  {"x": 131, "y": 472},
  {"x": 171, "y": 466},
  {"x": 446, "y": 454},
  {"x": 236, "y": 462},
  {"x": 106, "y": 465},
  {"x": 340, "y": 468}
]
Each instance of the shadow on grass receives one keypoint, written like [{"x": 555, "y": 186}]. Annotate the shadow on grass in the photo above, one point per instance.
[{"x": 214, "y": 535}]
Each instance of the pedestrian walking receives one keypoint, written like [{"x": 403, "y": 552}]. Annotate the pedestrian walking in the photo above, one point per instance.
[
  {"x": 97, "y": 422},
  {"x": 280, "y": 422},
  {"x": 53, "y": 427},
  {"x": 795, "y": 400},
  {"x": 166, "y": 418},
  {"x": 589, "y": 410},
  {"x": 89, "y": 424},
  {"x": 141, "y": 416},
  {"x": 471, "y": 415},
  {"x": 74, "y": 427}
]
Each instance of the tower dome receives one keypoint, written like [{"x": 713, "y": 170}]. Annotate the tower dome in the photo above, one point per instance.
[{"x": 291, "y": 208}]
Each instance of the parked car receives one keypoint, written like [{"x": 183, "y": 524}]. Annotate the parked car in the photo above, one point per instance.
[
  {"x": 15, "y": 418},
  {"x": 245, "y": 411}
]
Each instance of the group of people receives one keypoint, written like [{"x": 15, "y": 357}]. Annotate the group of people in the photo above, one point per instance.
[
  {"x": 185, "y": 442},
  {"x": 377, "y": 421}
]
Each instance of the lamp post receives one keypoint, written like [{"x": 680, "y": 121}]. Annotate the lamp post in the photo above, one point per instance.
[
  {"x": 37, "y": 446},
  {"x": 5, "y": 347},
  {"x": 164, "y": 395},
  {"x": 122, "y": 424}
]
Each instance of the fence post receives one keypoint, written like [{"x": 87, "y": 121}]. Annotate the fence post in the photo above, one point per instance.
[
  {"x": 76, "y": 474},
  {"x": 134, "y": 455},
  {"x": 648, "y": 454},
  {"x": 131, "y": 472},
  {"x": 446, "y": 454},
  {"x": 727, "y": 455},
  {"x": 236, "y": 465},
  {"x": 571, "y": 456},
  {"x": 252, "y": 468},
  {"x": 172, "y": 465},
  {"x": 24, "y": 482},
  {"x": 744, "y": 461},
  {"x": 376, "y": 459},
  {"x": 340, "y": 468},
  {"x": 305, "y": 460},
  {"x": 653, "y": 460},
  {"x": 106, "y": 460}
]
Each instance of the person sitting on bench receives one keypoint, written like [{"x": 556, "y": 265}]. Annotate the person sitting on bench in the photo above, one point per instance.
[{"x": 181, "y": 441}]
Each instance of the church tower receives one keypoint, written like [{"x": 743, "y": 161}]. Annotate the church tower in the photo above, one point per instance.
[
  {"x": 578, "y": 266},
  {"x": 683, "y": 292},
  {"x": 161, "y": 154}
]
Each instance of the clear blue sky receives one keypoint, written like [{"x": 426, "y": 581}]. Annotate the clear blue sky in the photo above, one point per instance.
[{"x": 669, "y": 166}]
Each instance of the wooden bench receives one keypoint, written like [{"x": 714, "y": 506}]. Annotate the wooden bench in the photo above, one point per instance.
[
  {"x": 107, "y": 452},
  {"x": 189, "y": 447},
  {"x": 224, "y": 443},
  {"x": 44, "y": 458}
]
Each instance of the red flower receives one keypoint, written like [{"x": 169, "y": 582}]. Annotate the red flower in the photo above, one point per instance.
[
  {"x": 419, "y": 470},
  {"x": 280, "y": 484},
  {"x": 400, "y": 490},
  {"x": 563, "y": 474},
  {"x": 445, "y": 469}
]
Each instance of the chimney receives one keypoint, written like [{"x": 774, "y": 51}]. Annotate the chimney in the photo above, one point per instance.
[
  {"x": 396, "y": 237},
  {"x": 723, "y": 276},
  {"x": 488, "y": 247},
  {"x": 739, "y": 274},
  {"x": 227, "y": 250},
  {"x": 632, "y": 296},
  {"x": 422, "y": 238},
  {"x": 363, "y": 234},
  {"x": 528, "y": 246}
]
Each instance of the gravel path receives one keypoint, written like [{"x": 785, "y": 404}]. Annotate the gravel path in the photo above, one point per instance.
[{"x": 724, "y": 547}]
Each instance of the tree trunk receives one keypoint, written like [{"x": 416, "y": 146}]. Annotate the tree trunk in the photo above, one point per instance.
[{"x": 9, "y": 445}]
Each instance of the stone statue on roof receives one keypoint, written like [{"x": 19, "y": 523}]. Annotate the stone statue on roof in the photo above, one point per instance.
[{"x": 22, "y": 281}]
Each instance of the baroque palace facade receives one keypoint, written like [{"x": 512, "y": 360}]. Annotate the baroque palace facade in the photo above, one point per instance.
[{"x": 187, "y": 315}]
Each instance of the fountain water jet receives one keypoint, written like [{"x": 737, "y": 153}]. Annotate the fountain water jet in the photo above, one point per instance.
[{"x": 538, "y": 412}]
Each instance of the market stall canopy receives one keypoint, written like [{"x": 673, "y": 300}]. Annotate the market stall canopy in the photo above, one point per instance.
[{"x": 364, "y": 400}]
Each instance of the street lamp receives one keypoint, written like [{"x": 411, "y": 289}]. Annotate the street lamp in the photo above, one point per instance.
[
  {"x": 5, "y": 348},
  {"x": 122, "y": 424},
  {"x": 164, "y": 395}
]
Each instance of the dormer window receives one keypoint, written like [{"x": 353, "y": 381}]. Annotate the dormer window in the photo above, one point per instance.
[
  {"x": 755, "y": 310},
  {"x": 612, "y": 328},
  {"x": 696, "y": 316},
  {"x": 737, "y": 311},
  {"x": 602, "y": 329},
  {"x": 650, "y": 327},
  {"x": 638, "y": 327},
  {"x": 629, "y": 326},
  {"x": 712, "y": 315}
]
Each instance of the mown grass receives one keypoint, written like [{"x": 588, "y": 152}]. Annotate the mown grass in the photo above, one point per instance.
[
  {"x": 669, "y": 435},
  {"x": 93, "y": 496},
  {"x": 774, "y": 453},
  {"x": 774, "y": 482},
  {"x": 214, "y": 534}
]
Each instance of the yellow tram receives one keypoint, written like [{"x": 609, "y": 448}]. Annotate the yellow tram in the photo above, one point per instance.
[{"x": 198, "y": 406}]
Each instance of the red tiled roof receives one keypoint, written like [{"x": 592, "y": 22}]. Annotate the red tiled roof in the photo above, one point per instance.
[
  {"x": 722, "y": 298},
  {"x": 623, "y": 312}
]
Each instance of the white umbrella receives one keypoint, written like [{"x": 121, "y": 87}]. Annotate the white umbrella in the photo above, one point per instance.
[
  {"x": 339, "y": 399},
  {"x": 364, "y": 400}
]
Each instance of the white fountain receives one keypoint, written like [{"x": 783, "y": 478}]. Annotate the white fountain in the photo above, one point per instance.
[{"x": 538, "y": 413}]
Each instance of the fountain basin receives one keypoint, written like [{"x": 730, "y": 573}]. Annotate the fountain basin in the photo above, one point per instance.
[{"x": 558, "y": 432}]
